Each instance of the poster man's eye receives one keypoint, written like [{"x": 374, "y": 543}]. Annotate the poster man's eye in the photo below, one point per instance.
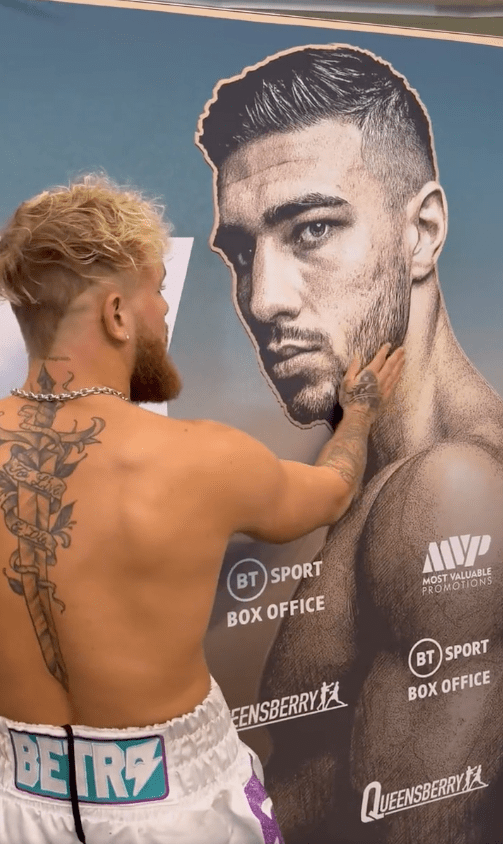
[
  {"x": 244, "y": 258},
  {"x": 310, "y": 233},
  {"x": 239, "y": 249}
]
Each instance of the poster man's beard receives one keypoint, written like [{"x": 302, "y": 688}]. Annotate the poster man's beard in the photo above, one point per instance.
[
  {"x": 155, "y": 378},
  {"x": 312, "y": 395}
]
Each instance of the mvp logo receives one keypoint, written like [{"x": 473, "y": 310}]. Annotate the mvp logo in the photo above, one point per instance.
[
  {"x": 122, "y": 771},
  {"x": 455, "y": 552}
]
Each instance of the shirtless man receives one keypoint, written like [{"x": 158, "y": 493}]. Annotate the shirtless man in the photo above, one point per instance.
[
  {"x": 331, "y": 218},
  {"x": 114, "y": 524}
]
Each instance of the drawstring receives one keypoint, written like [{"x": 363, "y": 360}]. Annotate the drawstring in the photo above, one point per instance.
[{"x": 73, "y": 784}]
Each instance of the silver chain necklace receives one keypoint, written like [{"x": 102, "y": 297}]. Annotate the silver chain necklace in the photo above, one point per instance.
[{"x": 73, "y": 394}]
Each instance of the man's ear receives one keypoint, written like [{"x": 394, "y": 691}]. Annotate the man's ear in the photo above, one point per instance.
[
  {"x": 426, "y": 229},
  {"x": 115, "y": 316}
]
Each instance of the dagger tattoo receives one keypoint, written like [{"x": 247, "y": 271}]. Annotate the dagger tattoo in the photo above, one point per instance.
[{"x": 32, "y": 487}]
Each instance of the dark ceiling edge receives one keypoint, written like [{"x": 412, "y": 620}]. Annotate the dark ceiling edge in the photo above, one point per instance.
[{"x": 357, "y": 8}]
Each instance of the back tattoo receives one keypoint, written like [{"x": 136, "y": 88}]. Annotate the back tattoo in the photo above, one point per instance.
[{"x": 32, "y": 487}]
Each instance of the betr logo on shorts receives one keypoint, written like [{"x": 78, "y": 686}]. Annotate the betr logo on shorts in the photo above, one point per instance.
[{"x": 107, "y": 771}]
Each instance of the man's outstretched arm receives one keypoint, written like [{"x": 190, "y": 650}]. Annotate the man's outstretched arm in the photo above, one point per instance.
[{"x": 278, "y": 500}]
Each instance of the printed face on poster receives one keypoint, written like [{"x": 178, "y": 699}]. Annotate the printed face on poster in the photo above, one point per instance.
[{"x": 343, "y": 192}]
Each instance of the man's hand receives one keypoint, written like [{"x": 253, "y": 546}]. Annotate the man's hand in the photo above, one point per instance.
[
  {"x": 280, "y": 500},
  {"x": 372, "y": 387}
]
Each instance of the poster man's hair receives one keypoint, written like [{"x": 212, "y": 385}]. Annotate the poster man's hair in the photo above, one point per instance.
[{"x": 300, "y": 88}]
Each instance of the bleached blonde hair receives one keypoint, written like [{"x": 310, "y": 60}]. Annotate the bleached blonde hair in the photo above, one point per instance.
[{"x": 66, "y": 238}]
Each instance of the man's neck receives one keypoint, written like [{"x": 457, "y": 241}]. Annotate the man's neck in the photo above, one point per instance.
[
  {"x": 440, "y": 390},
  {"x": 65, "y": 370}
]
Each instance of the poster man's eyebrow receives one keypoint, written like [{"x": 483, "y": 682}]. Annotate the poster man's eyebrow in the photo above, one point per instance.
[
  {"x": 279, "y": 213},
  {"x": 289, "y": 210}
]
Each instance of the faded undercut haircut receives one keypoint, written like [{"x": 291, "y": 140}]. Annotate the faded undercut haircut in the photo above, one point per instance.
[
  {"x": 301, "y": 88},
  {"x": 67, "y": 238}
]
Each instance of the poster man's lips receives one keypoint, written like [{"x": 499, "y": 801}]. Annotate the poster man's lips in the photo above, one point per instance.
[{"x": 289, "y": 350}]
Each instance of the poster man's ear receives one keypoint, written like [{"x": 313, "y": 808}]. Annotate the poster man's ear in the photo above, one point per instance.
[{"x": 426, "y": 229}]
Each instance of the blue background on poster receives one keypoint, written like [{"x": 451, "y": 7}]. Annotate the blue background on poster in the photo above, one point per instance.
[{"x": 88, "y": 87}]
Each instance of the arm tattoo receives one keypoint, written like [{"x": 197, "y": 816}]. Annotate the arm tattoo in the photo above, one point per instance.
[
  {"x": 346, "y": 452},
  {"x": 32, "y": 487},
  {"x": 364, "y": 391}
]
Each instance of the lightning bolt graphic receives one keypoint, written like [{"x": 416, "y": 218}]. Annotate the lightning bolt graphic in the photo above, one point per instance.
[{"x": 141, "y": 763}]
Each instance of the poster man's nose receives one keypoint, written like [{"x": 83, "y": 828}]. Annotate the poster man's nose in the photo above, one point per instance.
[{"x": 276, "y": 282}]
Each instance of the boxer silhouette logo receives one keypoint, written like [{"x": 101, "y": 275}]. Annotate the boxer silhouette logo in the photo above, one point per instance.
[
  {"x": 455, "y": 552},
  {"x": 107, "y": 771}
]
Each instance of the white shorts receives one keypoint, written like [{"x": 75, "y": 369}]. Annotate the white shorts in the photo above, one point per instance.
[{"x": 189, "y": 781}]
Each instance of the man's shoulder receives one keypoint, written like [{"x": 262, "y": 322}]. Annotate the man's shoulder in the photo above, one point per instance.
[
  {"x": 434, "y": 536},
  {"x": 446, "y": 464},
  {"x": 164, "y": 422},
  {"x": 166, "y": 426},
  {"x": 210, "y": 442},
  {"x": 452, "y": 488}
]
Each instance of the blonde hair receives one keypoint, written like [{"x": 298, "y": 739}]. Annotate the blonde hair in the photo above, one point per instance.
[{"x": 66, "y": 238}]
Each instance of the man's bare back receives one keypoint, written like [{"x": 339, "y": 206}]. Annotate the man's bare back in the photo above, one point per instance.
[
  {"x": 138, "y": 527},
  {"x": 115, "y": 525}
]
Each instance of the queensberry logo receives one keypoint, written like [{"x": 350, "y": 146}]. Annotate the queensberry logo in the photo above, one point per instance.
[
  {"x": 122, "y": 771},
  {"x": 325, "y": 698},
  {"x": 376, "y": 804},
  {"x": 455, "y": 552}
]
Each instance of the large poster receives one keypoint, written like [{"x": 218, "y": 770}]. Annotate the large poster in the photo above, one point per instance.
[{"x": 334, "y": 187}]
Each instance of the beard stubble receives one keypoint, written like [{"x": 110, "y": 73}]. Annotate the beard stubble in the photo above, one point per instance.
[{"x": 311, "y": 397}]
